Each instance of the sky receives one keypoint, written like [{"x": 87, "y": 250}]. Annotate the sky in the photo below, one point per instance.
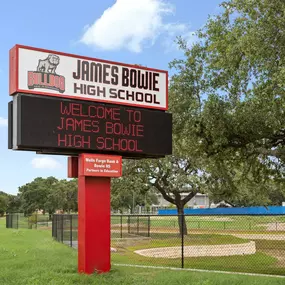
[{"x": 128, "y": 31}]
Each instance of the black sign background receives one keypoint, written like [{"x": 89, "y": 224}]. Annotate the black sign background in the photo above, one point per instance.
[{"x": 54, "y": 124}]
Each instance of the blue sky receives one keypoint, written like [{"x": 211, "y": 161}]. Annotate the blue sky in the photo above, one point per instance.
[{"x": 129, "y": 31}]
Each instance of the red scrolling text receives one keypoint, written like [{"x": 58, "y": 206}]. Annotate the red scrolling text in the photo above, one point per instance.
[
  {"x": 99, "y": 127},
  {"x": 115, "y": 144},
  {"x": 73, "y": 141},
  {"x": 91, "y": 111}
]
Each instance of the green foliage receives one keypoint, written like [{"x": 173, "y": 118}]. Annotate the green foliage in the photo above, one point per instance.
[
  {"x": 48, "y": 195},
  {"x": 8, "y": 203},
  {"x": 227, "y": 100},
  {"x": 14, "y": 203},
  {"x": 229, "y": 104},
  {"x": 3, "y": 204},
  {"x": 129, "y": 191}
]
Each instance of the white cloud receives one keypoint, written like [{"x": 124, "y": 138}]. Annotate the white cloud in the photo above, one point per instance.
[
  {"x": 3, "y": 122},
  {"x": 45, "y": 162},
  {"x": 132, "y": 24}
]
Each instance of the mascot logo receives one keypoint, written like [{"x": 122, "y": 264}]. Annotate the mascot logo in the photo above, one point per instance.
[{"x": 45, "y": 76}]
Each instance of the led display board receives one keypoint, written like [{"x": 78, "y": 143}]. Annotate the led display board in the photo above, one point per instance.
[{"x": 51, "y": 124}]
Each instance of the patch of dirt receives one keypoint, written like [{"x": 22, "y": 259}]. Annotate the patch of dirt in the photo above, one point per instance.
[
  {"x": 260, "y": 236},
  {"x": 200, "y": 250},
  {"x": 273, "y": 226},
  {"x": 216, "y": 219}
]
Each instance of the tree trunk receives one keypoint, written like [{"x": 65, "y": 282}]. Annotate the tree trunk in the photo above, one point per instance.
[{"x": 181, "y": 220}]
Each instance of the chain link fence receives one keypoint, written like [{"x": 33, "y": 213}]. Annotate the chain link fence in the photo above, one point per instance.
[
  {"x": 65, "y": 229},
  {"x": 22, "y": 221},
  {"x": 254, "y": 244}
]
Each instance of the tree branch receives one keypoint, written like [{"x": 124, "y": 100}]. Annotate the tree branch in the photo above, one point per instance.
[
  {"x": 163, "y": 193},
  {"x": 189, "y": 197}
]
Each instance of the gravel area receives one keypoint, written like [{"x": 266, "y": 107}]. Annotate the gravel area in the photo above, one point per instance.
[{"x": 200, "y": 250}]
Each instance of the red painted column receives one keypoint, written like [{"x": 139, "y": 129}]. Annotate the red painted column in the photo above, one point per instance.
[{"x": 93, "y": 224}]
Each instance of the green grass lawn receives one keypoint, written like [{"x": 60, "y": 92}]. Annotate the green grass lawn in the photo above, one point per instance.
[
  {"x": 269, "y": 258},
  {"x": 163, "y": 240},
  {"x": 31, "y": 257}
]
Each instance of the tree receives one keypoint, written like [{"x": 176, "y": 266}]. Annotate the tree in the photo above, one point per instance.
[
  {"x": 129, "y": 191},
  {"x": 49, "y": 194},
  {"x": 172, "y": 177},
  {"x": 35, "y": 194},
  {"x": 3, "y": 204},
  {"x": 239, "y": 119},
  {"x": 66, "y": 194},
  {"x": 9, "y": 203},
  {"x": 227, "y": 99},
  {"x": 242, "y": 54},
  {"x": 14, "y": 203}
]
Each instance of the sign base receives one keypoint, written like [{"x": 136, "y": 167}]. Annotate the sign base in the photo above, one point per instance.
[
  {"x": 94, "y": 231},
  {"x": 94, "y": 224}
]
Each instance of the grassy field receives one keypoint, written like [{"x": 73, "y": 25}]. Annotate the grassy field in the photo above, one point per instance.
[
  {"x": 236, "y": 223},
  {"x": 269, "y": 258},
  {"x": 265, "y": 261},
  {"x": 162, "y": 240},
  {"x": 30, "y": 257}
]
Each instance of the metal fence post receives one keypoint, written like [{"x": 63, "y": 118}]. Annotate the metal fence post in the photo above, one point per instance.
[
  {"x": 36, "y": 221},
  {"x": 121, "y": 226},
  {"x": 138, "y": 225},
  {"x": 56, "y": 228},
  {"x": 182, "y": 242},
  {"x": 52, "y": 228},
  {"x": 54, "y": 225},
  {"x": 17, "y": 221},
  {"x": 148, "y": 228},
  {"x": 71, "y": 230},
  {"x": 7, "y": 221},
  {"x": 129, "y": 224},
  {"x": 62, "y": 228}
]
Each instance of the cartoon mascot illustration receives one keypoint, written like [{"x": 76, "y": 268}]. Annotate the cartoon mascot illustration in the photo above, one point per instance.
[{"x": 49, "y": 64}]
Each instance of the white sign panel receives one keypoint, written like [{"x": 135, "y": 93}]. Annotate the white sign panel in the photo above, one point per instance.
[{"x": 44, "y": 72}]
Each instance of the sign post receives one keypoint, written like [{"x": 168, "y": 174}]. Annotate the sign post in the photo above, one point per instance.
[
  {"x": 96, "y": 112},
  {"x": 94, "y": 172},
  {"x": 93, "y": 224}
]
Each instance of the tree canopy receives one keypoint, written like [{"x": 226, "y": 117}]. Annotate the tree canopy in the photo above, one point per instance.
[
  {"x": 48, "y": 194},
  {"x": 226, "y": 97}
]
